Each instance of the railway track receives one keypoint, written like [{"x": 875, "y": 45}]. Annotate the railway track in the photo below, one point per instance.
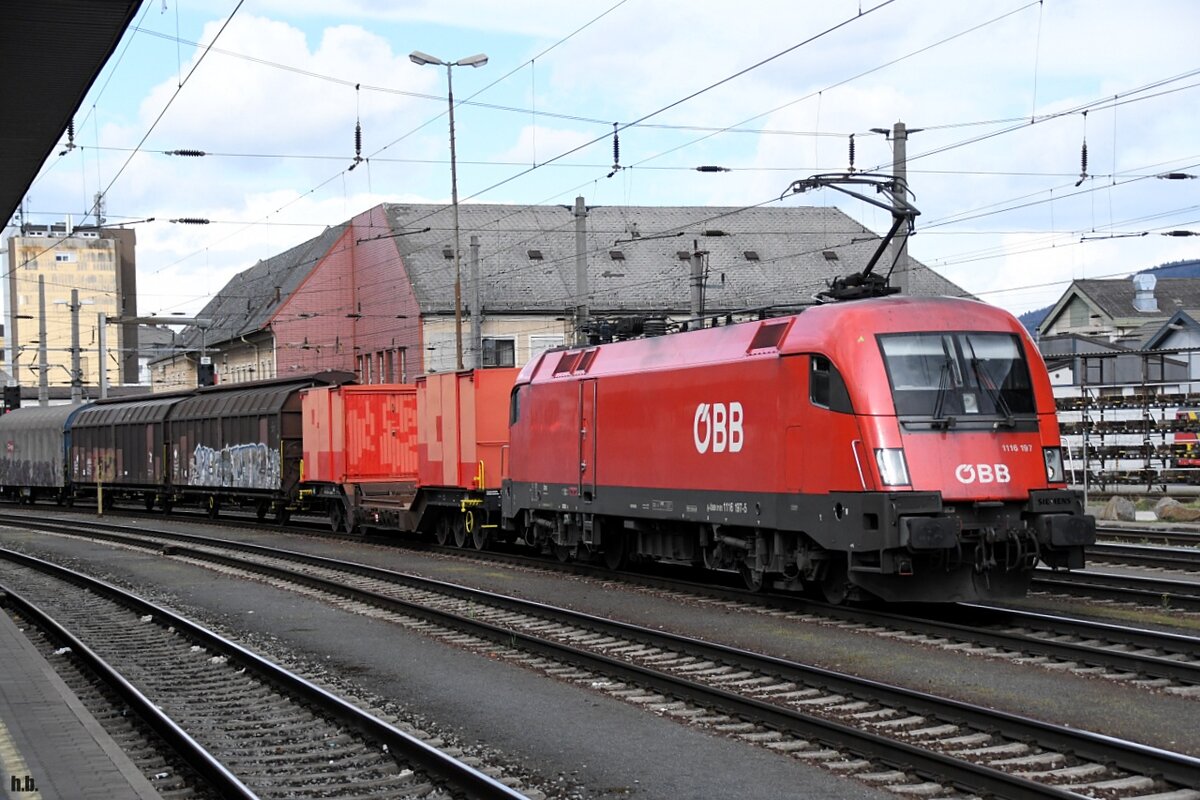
[
  {"x": 288, "y": 737},
  {"x": 1168, "y": 537},
  {"x": 856, "y": 726},
  {"x": 1147, "y": 658},
  {"x": 1162, "y": 593},
  {"x": 1182, "y": 559}
]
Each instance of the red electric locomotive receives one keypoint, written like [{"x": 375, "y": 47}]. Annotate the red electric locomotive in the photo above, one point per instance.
[{"x": 902, "y": 448}]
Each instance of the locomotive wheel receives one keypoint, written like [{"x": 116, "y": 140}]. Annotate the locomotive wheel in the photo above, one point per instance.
[
  {"x": 753, "y": 579},
  {"x": 835, "y": 586},
  {"x": 460, "y": 532},
  {"x": 563, "y": 552},
  {"x": 442, "y": 531},
  {"x": 615, "y": 550}
]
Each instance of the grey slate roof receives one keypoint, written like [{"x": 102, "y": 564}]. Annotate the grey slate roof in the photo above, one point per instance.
[
  {"x": 249, "y": 299},
  {"x": 650, "y": 275},
  {"x": 1115, "y": 297},
  {"x": 790, "y": 243}
]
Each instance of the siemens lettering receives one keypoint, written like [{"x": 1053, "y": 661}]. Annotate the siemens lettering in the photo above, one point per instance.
[{"x": 721, "y": 426}]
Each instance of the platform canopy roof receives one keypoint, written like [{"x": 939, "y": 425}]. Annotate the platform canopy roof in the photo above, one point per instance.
[{"x": 51, "y": 52}]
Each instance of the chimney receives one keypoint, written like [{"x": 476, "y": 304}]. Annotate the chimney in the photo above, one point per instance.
[{"x": 1143, "y": 293}]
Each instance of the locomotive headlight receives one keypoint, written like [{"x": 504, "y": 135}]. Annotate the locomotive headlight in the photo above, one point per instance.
[
  {"x": 1054, "y": 464},
  {"x": 893, "y": 469}
]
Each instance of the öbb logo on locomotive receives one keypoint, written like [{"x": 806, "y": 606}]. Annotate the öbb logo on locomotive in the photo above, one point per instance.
[
  {"x": 982, "y": 473},
  {"x": 722, "y": 427}
]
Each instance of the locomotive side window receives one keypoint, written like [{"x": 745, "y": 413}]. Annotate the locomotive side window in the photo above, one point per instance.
[
  {"x": 514, "y": 404},
  {"x": 826, "y": 387},
  {"x": 945, "y": 376}
]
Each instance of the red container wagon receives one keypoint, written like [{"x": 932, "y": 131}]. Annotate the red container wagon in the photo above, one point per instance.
[
  {"x": 360, "y": 454},
  {"x": 902, "y": 448},
  {"x": 462, "y": 446}
]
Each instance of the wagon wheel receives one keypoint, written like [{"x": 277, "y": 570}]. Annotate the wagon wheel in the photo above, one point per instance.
[
  {"x": 479, "y": 534},
  {"x": 283, "y": 515},
  {"x": 260, "y": 510},
  {"x": 148, "y": 499},
  {"x": 214, "y": 507},
  {"x": 460, "y": 531},
  {"x": 337, "y": 516},
  {"x": 442, "y": 531}
]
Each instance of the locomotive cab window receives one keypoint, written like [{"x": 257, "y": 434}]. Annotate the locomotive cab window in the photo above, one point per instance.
[
  {"x": 514, "y": 404},
  {"x": 826, "y": 387},
  {"x": 947, "y": 377}
]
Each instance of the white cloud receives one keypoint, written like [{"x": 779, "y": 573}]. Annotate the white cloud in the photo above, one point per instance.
[{"x": 643, "y": 56}]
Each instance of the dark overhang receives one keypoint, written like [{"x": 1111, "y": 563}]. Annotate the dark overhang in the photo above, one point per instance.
[{"x": 51, "y": 52}]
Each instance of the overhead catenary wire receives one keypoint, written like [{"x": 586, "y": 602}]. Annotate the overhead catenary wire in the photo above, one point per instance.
[{"x": 648, "y": 167}]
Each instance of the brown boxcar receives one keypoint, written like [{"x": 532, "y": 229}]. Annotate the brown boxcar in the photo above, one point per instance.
[{"x": 117, "y": 448}]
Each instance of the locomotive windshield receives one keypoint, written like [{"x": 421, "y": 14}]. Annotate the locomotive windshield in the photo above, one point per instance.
[{"x": 948, "y": 376}]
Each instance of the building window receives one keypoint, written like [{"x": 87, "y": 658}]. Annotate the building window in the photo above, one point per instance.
[
  {"x": 499, "y": 352},
  {"x": 540, "y": 344},
  {"x": 64, "y": 258}
]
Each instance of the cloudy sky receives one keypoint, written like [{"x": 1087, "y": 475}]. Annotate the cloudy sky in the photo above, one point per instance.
[{"x": 770, "y": 89}]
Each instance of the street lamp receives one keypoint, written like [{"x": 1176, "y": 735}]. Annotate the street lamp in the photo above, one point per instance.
[{"x": 421, "y": 59}]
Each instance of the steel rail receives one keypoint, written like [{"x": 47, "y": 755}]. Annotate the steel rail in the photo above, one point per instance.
[
  {"x": 1184, "y": 595},
  {"x": 1177, "y": 558},
  {"x": 1131, "y": 756},
  {"x": 198, "y": 758},
  {"x": 432, "y": 760},
  {"x": 935, "y": 624}
]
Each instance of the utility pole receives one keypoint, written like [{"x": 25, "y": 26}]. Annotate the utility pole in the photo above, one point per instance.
[
  {"x": 43, "y": 353},
  {"x": 581, "y": 278},
  {"x": 102, "y": 337},
  {"x": 697, "y": 282},
  {"x": 900, "y": 192},
  {"x": 476, "y": 313},
  {"x": 76, "y": 375}
]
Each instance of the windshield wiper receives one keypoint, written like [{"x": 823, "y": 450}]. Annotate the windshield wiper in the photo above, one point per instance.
[
  {"x": 997, "y": 396},
  {"x": 939, "y": 404}
]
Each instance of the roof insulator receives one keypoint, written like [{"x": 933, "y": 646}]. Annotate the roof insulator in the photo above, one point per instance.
[
  {"x": 191, "y": 221},
  {"x": 186, "y": 152}
]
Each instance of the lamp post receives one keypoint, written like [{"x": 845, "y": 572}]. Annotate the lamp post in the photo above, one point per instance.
[{"x": 421, "y": 59}]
